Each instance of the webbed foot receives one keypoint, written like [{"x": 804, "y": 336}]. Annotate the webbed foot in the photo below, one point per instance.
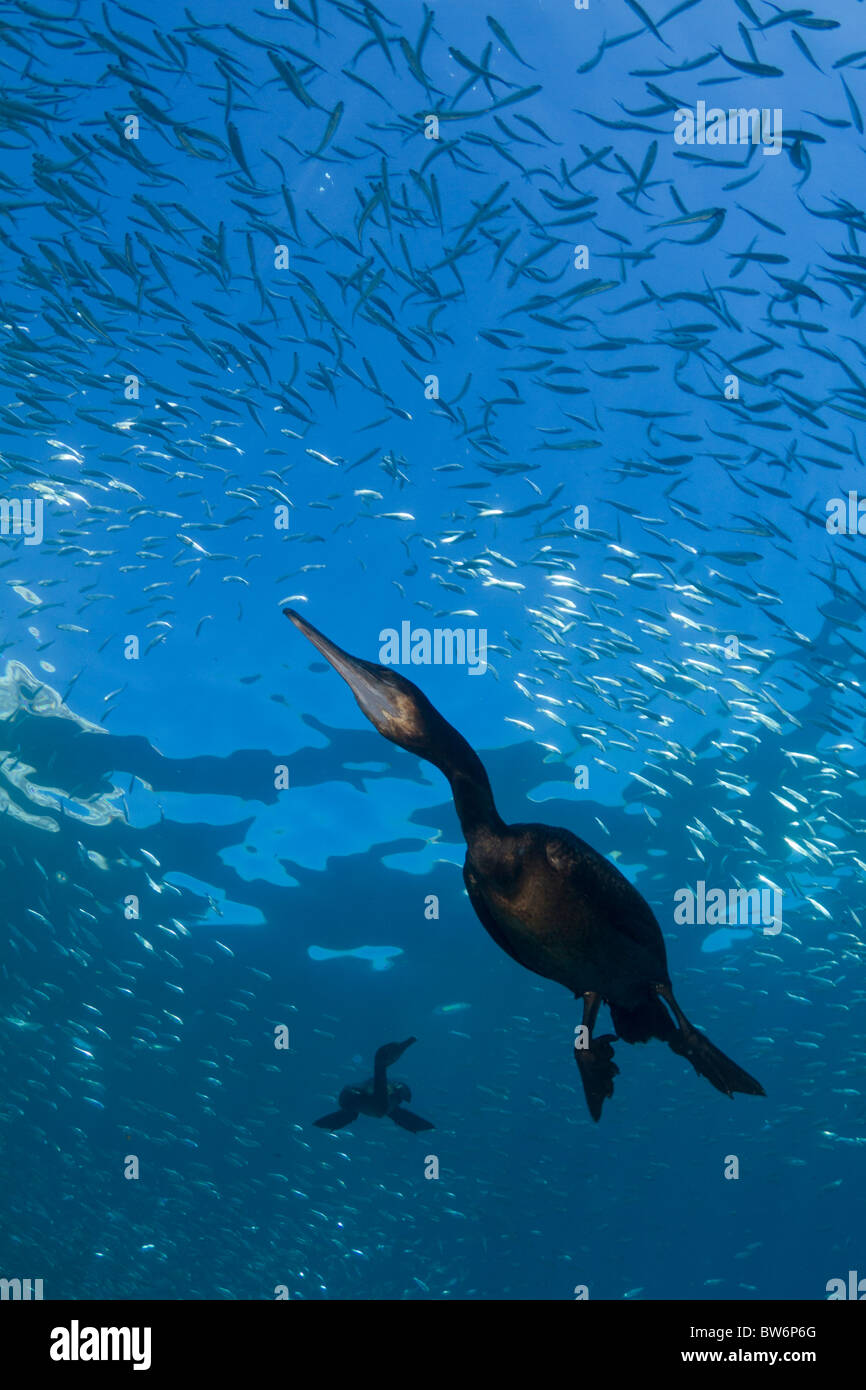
[
  {"x": 707, "y": 1059},
  {"x": 595, "y": 1061}
]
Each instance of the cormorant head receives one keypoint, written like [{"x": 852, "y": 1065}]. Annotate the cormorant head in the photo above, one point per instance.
[{"x": 396, "y": 707}]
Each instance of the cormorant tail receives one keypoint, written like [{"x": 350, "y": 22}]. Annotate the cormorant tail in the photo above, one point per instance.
[
  {"x": 650, "y": 1020},
  {"x": 407, "y": 1120}
]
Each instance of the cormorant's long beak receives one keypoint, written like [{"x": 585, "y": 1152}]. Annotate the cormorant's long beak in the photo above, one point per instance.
[
  {"x": 393, "y": 704},
  {"x": 403, "y": 714},
  {"x": 340, "y": 660}
]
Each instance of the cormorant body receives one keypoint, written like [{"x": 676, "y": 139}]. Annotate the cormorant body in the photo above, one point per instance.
[
  {"x": 378, "y": 1096},
  {"x": 547, "y": 898}
]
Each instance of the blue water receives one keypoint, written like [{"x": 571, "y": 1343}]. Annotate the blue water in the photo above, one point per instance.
[{"x": 264, "y": 386}]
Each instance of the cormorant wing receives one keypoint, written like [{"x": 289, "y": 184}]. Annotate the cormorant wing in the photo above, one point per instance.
[
  {"x": 598, "y": 879},
  {"x": 407, "y": 1120},
  {"x": 338, "y": 1119},
  {"x": 486, "y": 918}
]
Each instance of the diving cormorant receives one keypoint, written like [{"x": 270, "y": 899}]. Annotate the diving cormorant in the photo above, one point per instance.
[
  {"x": 378, "y": 1096},
  {"x": 548, "y": 899}
]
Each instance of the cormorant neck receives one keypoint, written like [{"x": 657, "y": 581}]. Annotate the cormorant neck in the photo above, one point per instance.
[
  {"x": 470, "y": 785},
  {"x": 403, "y": 714}
]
